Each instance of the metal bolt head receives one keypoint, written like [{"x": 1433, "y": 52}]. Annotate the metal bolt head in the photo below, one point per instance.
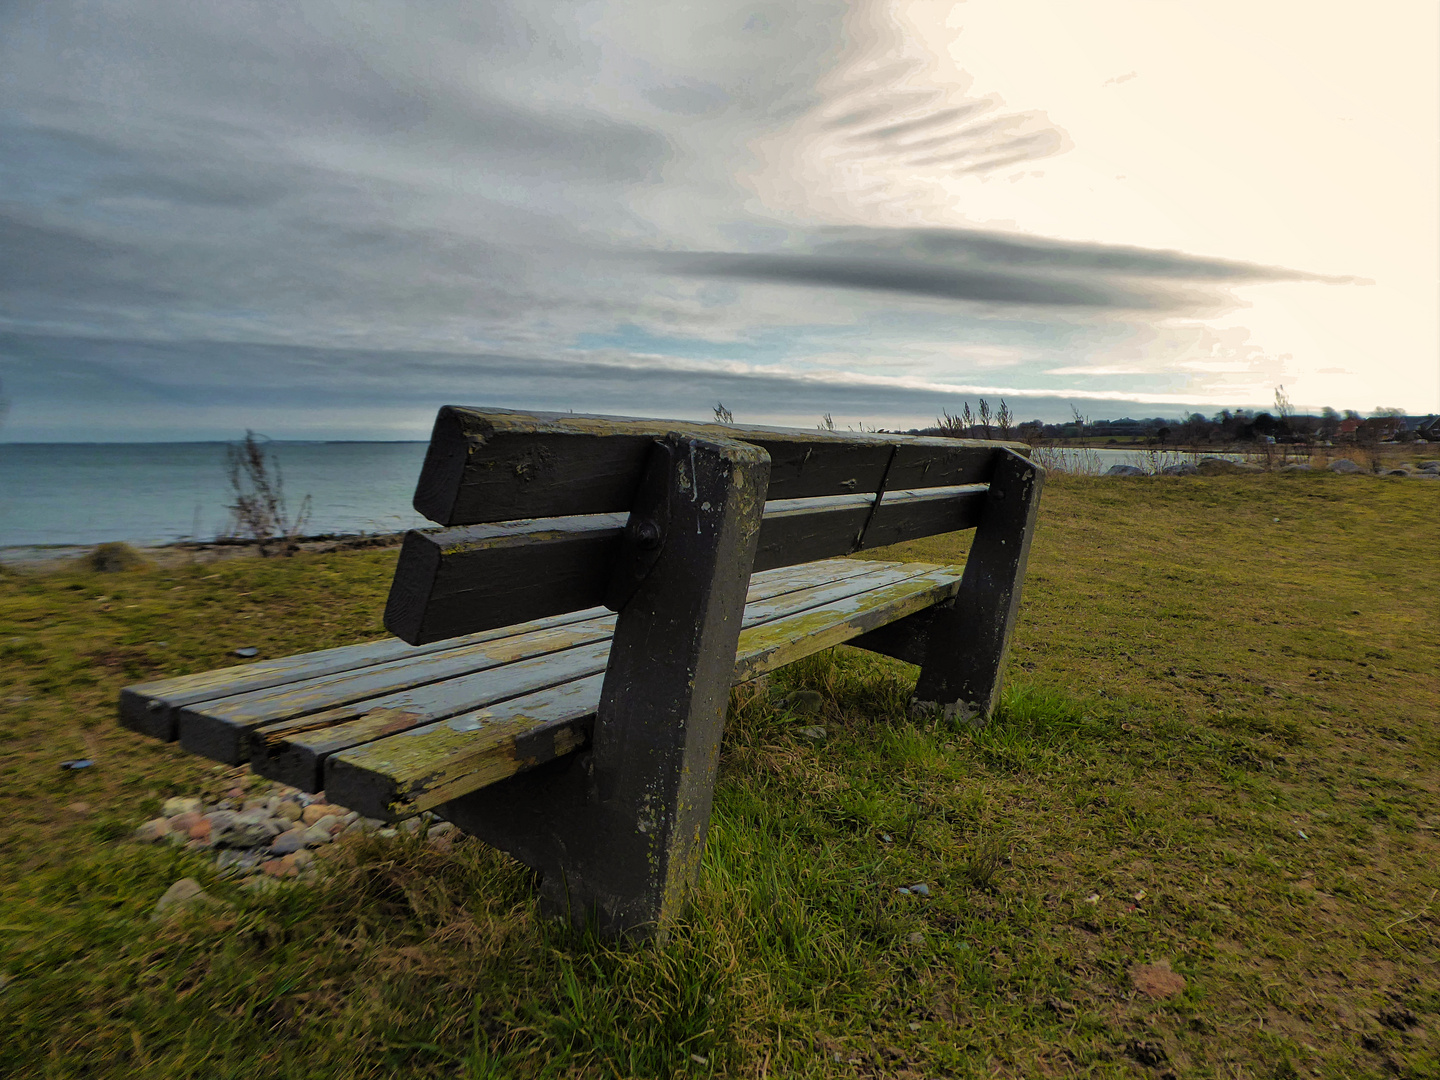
[{"x": 647, "y": 535}]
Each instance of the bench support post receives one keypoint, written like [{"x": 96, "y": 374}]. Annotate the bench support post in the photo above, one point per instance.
[
  {"x": 617, "y": 832},
  {"x": 961, "y": 646}
]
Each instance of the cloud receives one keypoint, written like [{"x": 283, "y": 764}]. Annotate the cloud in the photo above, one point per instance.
[{"x": 365, "y": 207}]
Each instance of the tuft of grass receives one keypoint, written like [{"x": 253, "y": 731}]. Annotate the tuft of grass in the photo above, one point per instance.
[{"x": 114, "y": 558}]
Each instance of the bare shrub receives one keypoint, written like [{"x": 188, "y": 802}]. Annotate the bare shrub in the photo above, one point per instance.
[
  {"x": 722, "y": 414},
  {"x": 259, "y": 512}
]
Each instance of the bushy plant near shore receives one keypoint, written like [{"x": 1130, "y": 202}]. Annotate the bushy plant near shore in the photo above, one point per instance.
[{"x": 1217, "y": 751}]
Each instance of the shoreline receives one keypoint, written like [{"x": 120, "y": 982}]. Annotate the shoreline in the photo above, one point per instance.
[{"x": 200, "y": 552}]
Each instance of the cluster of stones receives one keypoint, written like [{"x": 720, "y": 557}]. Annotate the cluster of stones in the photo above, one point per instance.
[
  {"x": 1426, "y": 470},
  {"x": 273, "y": 835}
]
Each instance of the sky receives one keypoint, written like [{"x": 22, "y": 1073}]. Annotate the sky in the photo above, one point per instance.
[{"x": 325, "y": 220}]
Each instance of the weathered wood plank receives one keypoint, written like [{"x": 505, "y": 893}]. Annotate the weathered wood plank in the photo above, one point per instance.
[
  {"x": 434, "y": 763},
  {"x": 494, "y": 465},
  {"x": 459, "y": 580},
  {"x": 293, "y": 750},
  {"x": 216, "y": 729},
  {"x": 153, "y": 708}
]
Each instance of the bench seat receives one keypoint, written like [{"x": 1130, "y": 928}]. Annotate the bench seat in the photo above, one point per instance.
[{"x": 391, "y": 729}]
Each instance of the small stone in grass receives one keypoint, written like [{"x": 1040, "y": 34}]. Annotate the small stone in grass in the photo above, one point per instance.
[
  {"x": 176, "y": 806},
  {"x": 281, "y": 867},
  {"x": 245, "y": 652},
  {"x": 185, "y": 893},
  {"x": 920, "y": 890},
  {"x": 78, "y": 807},
  {"x": 916, "y": 938},
  {"x": 435, "y": 832},
  {"x": 290, "y": 811},
  {"x": 185, "y": 822},
  {"x": 903, "y": 891},
  {"x": 153, "y": 830},
  {"x": 316, "y": 834},
  {"x": 816, "y": 733}
]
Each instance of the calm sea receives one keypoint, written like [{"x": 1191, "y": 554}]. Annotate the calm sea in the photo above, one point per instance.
[{"x": 152, "y": 493}]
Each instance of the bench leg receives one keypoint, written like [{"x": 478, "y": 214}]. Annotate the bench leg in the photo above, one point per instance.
[
  {"x": 961, "y": 645},
  {"x": 968, "y": 643},
  {"x": 617, "y": 832}
]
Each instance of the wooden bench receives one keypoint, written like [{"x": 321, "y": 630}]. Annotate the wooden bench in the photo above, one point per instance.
[{"x": 569, "y": 636}]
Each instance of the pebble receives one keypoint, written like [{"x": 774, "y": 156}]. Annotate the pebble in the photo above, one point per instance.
[
  {"x": 186, "y": 821},
  {"x": 817, "y": 733},
  {"x": 920, "y": 890},
  {"x": 315, "y": 811},
  {"x": 1344, "y": 465},
  {"x": 176, "y": 806},
  {"x": 1125, "y": 470},
  {"x": 185, "y": 893},
  {"x": 903, "y": 891},
  {"x": 435, "y": 832},
  {"x": 267, "y": 833},
  {"x": 916, "y": 938},
  {"x": 153, "y": 830},
  {"x": 290, "y": 841}
]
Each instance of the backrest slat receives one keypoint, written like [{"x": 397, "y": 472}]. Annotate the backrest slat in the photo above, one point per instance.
[
  {"x": 485, "y": 466},
  {"x": 464, "y": 579}
]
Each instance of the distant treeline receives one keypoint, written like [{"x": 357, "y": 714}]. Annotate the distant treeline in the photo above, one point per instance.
[{"x": 1282, "y": 425}]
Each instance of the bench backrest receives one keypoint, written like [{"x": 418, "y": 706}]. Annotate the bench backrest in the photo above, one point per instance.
[{"x": 535, "y": 505}]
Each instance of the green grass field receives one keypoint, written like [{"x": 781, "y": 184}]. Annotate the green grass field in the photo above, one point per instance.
[{"x": 1219, "y": 749}]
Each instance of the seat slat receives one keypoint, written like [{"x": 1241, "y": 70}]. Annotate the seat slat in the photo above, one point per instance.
[
  {"x": 218, "y": 728},
  {"x": 153, "y": 708},
  {"x": 412, "y": 771},
  {"x": 486, "y": 466},
  {"x": 293, "y": 751}
]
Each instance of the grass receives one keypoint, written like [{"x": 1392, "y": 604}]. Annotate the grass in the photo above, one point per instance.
[{"x": 1204, "y": 670}]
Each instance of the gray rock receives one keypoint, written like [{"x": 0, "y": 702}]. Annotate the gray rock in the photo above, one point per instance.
[
  {"x": 411, "y": 825},
  {"x": 903, "y": 891},
  {"x": 244, "y": 834},
  {"x": 805, "y": 702},
  {"x": 330, "y": 823},
  {"x": 303, "y": 860},
  {"x": 267, "y": 803},
  {"x": 184, "y": 894},
  {"x": 1344, "y": 465},
  {"x": 920, "y": 890},
  {"x": 1125, "y": 470},
  {"x": 176, "y": 806},
  {"x": 290, "y": 841},
  {"x": 1303, "y": 466},
  {"x": 816, "y": 732},
  {"x": 316, "y": 835},
  {"x": 435, "y": 832},
  {"x": 1249, "y": 466},
  {"x": 1184, "y": 468},
  {"x": 1429, "y": 466},
  {"x": 916, "y": 938},
  {"x": 1397, "y": 472}
]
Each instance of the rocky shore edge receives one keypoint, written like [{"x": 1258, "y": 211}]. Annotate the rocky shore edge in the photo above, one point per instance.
[{"x": 1214, "y": 466}]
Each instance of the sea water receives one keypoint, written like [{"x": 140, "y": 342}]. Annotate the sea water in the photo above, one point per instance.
[{"x": 156, "y": 493}]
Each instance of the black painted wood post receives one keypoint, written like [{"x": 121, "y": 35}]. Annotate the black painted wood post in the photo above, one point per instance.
[
  {"x": 618, "y": 831},
  {"x": 967, "y": 642}
]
